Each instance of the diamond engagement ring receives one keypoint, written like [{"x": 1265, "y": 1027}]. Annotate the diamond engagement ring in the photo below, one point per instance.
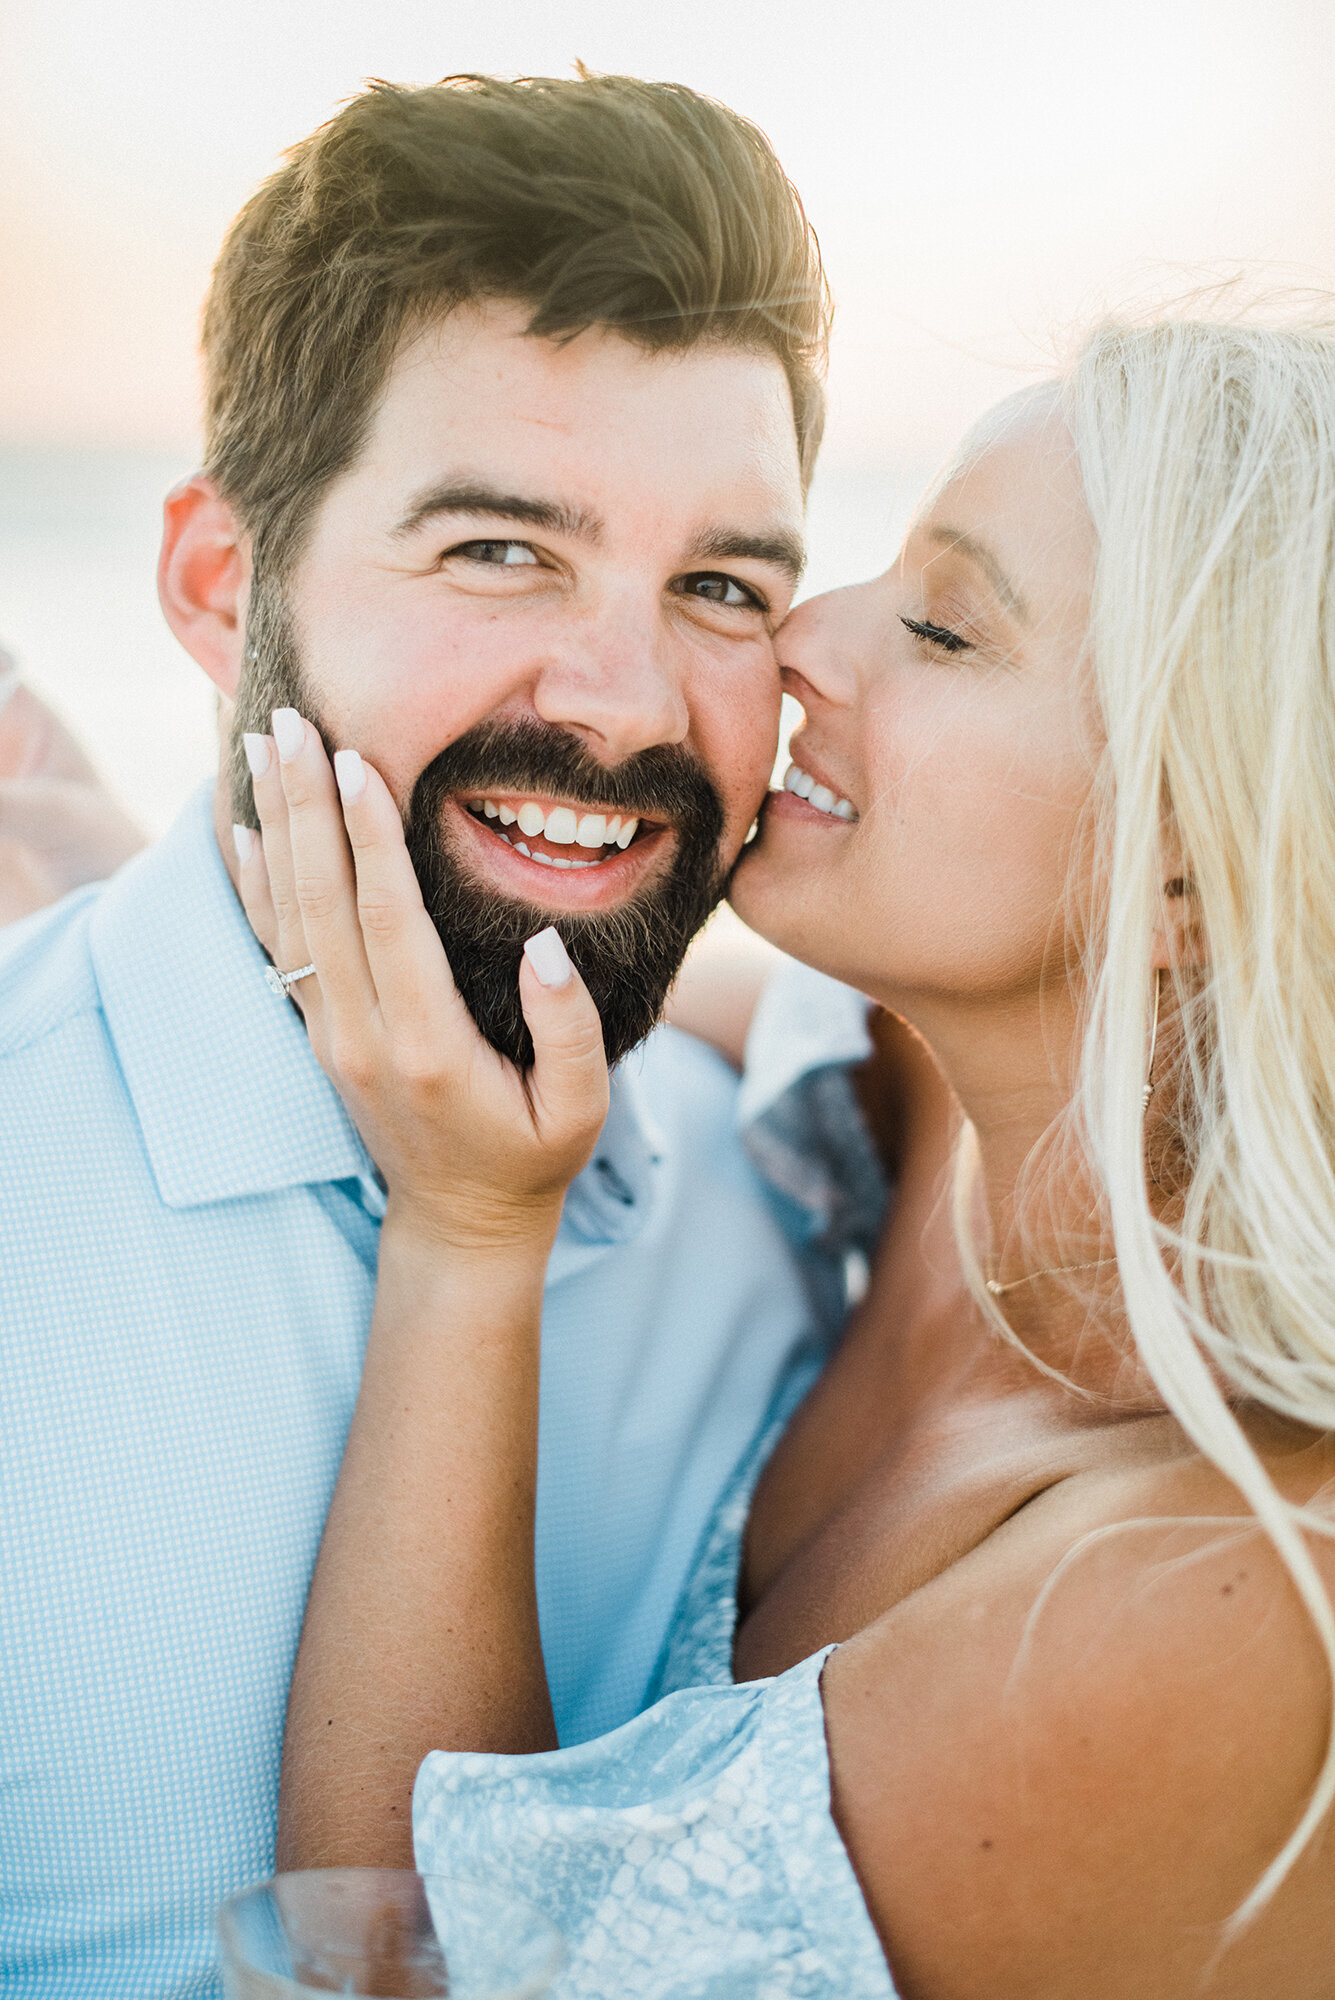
[{"x": 279, "y": 982}]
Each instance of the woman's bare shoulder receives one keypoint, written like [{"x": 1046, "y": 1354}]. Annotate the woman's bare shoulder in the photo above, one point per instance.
[{"x": 1063, "y": 1764}]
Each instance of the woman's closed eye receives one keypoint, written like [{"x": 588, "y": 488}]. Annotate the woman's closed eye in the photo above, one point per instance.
[{"x": 937, "y": 635}]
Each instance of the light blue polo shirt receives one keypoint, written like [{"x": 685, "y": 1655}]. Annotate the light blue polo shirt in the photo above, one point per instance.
[{"x": 188, "y": 1233}]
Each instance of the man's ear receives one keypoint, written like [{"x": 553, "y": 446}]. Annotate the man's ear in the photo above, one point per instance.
[{"x": 204, "y": 579}]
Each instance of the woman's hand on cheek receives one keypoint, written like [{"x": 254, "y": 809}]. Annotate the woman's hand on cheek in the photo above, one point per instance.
[{"x": 474, "y": 1152}]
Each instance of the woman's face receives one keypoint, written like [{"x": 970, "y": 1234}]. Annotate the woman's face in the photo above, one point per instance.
[{"x": 947, "y": 703}]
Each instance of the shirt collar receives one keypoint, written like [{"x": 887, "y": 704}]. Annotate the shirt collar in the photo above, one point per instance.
[
  {"x": 804, "y": 1021},
  {"x": 797, "y": 1113},
  {"x": 230, "y": 1099}
]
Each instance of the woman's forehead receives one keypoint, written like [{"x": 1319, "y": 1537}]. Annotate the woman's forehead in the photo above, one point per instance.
[{"x": 1017, "y": 508}]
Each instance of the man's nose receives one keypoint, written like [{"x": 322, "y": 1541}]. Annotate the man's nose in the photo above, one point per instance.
[{"x": 616, "y": 683}]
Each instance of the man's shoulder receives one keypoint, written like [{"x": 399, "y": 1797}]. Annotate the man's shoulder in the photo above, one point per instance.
[{"x": 46, "y": 973}]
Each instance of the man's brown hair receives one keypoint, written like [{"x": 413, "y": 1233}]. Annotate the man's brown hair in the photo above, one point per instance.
[{"x": 594, "y": 201}]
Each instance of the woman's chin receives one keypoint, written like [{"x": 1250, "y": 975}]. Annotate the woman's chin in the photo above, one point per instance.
[{"x": 767, "y": 892}]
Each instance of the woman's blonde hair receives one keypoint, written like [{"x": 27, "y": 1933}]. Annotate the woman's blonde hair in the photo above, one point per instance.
[{"x": 1207, "y": 452}]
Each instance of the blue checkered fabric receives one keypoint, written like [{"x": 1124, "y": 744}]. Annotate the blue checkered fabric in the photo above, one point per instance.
[{"x": 188, "y": 1233}]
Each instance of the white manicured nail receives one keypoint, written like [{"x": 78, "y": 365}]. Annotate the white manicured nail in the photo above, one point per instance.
[
  {"x": 289, "y": 733},
  {"x": 351, "y": 774},
  {"x": 549, "y": 958},
  {"x": 243, "y": 840},
  {"x": 257, "y": 754}
]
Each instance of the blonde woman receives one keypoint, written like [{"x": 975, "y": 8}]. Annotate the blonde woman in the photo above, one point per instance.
[{"x": 1018, "y": 1681}]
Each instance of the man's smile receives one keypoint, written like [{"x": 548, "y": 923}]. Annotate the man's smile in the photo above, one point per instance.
[{"x": 569, "y": 853}]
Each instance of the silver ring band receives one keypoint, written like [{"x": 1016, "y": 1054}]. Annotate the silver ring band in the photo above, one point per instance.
[{"x": 279, "y": 982}]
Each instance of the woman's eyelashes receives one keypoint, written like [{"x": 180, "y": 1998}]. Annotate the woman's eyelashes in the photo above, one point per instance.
[{"x": 937, "y": 635}]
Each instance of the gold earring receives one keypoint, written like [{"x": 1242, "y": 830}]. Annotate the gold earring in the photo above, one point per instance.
[{"x": 1148, "y": 1091}]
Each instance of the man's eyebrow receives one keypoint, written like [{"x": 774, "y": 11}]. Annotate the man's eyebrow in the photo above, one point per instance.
[
  {"x": 955, "y": 538},
  {"x": 784, "y": 550},
  {"x": 470, "y": 496}
]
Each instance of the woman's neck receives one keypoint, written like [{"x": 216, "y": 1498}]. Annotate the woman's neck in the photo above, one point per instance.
[{"x": 1037, "y": 1206}]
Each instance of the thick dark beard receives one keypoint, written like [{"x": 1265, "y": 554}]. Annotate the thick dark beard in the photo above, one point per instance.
[{"x": 627, "y": 957}]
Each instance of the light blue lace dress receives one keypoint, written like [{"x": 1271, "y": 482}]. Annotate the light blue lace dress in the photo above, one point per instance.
[{"x": 690, "y": 1854}]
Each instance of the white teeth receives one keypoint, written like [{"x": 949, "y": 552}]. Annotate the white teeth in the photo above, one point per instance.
[
  {"x": 553, "y": 860},
  {"x": 563, "y": 826},
  {"x": 795, "y": 779}
]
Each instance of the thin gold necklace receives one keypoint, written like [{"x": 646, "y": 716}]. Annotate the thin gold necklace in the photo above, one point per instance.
[
  {"x": 994, "y": 1285},
  {"x": 999, "y": 1291}
]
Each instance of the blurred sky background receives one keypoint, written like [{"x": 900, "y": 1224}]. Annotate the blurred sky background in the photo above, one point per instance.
[{"x": 984, "y": 176}]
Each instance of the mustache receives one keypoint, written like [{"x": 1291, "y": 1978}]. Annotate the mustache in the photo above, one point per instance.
[
  {"x": 628, "y": 955},
  {"x": 665, "y": 782}
]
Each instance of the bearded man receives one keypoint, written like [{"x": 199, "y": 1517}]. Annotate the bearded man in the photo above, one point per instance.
[{"x": 512, "y": 395}]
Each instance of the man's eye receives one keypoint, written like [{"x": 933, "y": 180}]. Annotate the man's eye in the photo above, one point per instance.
[
  {"x": 717, "y": 589},
  {"x": 500, "y": 555}
]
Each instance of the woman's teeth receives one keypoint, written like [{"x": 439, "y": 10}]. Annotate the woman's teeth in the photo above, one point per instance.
[
  {"x": 562, "y": 826},
  {"x": 797, "y": 780}
]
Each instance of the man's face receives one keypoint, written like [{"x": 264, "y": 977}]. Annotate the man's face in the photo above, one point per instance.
[{"x": 549, "y": 585}]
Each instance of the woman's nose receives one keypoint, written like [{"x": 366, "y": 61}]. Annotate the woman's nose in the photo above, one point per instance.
[{"x": 821, "y": 643}]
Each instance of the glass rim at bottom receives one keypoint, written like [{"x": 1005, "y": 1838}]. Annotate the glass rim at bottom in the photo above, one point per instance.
[{"x": 528, "y": 1981}]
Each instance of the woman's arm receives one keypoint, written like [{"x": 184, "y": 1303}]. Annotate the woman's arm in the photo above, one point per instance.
[
  {"x": 421, "y": 1629},
  {"x": 718, "y": 987}
]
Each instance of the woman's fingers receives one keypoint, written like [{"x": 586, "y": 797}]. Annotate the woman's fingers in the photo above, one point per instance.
[
  {"x": 253, "y": 883},
  {"x": 322, "y": 877},
  {"x": 419, "y": 1002},
  {"x": 568, "y": 1087},
  {"x": 287, "y": 945}
]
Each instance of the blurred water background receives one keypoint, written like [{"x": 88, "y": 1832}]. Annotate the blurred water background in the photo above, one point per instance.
[
  {"x": 984, "y": 180},
  {"x": 79, "y": 610}
]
